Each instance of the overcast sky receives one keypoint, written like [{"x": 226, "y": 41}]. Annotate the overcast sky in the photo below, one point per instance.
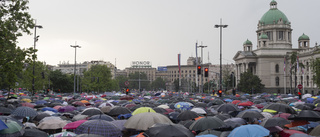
[{"x": 156, "y": 30}]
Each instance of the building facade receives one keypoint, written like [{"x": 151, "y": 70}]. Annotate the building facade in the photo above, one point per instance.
[{"x": 270, "y": 61}]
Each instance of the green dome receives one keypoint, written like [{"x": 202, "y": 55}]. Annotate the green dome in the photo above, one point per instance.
[
  {"x": 273, "y": 15},
  {"x": 247, "y": 42},
  {"x": 263, "y": 36},
  {"x": 304, "y": 37}
]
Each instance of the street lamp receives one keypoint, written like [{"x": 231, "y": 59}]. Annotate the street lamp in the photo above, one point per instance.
[
  {"x": 220, "y": 26},
  {"x": 35, "y": 39},
  {"x": 75, "y": 64},
  {"x": 201, "y": 63}
]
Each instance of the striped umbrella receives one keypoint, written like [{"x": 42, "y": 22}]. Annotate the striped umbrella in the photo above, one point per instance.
[
  {"x": 99, "y": 127},
  {"x": 24, "y": 112}
]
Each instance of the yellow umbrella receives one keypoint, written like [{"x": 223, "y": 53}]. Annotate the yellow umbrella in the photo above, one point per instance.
[
  {"x": 269, "y": 111},
  {"x": 85, "y": 101},
  {"x": 26, "y": 100},
  {"x": 143, "y": 110}
]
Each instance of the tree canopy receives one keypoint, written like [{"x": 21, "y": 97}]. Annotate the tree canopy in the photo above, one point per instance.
[{"x": 249, "y": 82}]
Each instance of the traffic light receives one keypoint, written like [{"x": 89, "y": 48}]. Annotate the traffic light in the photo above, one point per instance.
[
  {"x": 199, "y": 69},
  {"x": 299, "y": 93},
  {"x": 42, "y": 74},
  {"x": 206, "y": 72},
  {"x": 127, "y": 91},
  {"x": 220, "y": 93}
]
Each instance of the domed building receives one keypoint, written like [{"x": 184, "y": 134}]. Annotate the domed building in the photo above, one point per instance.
[{"x": 274, "y": 45}]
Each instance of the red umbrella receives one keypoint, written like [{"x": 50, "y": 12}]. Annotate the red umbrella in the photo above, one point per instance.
[
  {"x": 289, "y": 132},
  {"x": 74, "y": 125},
  {"x": 78, "y": 103},
  {"x": 250, "y": 102},
  {"x": 244, "y": 104},
  {"x": 235, "y": 102},
  {"x": 283, "y": 115},
  {"x": 168, "y": 111},
  {"x": 26, "y": 104},
  {"x": 130, "y": 105},
  {"x": 126, "y": 98},
  {"x": 259, "y": 106}
]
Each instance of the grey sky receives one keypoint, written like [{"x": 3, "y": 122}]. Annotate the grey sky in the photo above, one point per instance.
[{"x": 156, "y": 30}]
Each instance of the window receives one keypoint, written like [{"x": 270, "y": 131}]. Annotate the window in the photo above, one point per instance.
[
  {"x": 301, "y": 81},
  {"x": 307, "y": 66},
  {"x": 307, "y": 81},
  {"x": 269, "y": 34},
  {"x": 280, "y": 35},
  {"x": 289, "y": 36},
  {"x": 277, "y": 68},
  {"x": 277, "y": 81}
]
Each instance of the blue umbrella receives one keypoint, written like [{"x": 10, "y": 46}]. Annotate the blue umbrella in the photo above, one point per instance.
[
  {"x": 49, "y": 109},
  {"x": 2, "y": 125},
  {"x": 310, "y": 100},
  {"x": 249, "y": 131},
  {"x": 41, "y": 102},
  {"x": 228, "y": 100},
  {"x": 182, "y": 106}
]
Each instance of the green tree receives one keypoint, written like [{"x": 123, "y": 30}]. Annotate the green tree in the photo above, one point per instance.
[
  {"x": 315, "y": 65},
  {"x": 98, "y": 78},
  {"x": 249, "y": 82},
  {"x": 41, "y": 80},
  {"x": 121, "y": 80},
  {"x": 158, "y": 84},
  {"x": 134, "y": 81},
  {"x": 61, "y": 81},
  {"x": 14, "y": 21}
]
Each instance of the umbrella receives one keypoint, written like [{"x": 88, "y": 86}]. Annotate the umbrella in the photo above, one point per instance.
[
  {"x": 51, "y": 124},
  {"x": 66, "y": 109},
  {"x": 160, "y": 110},
  {"x": 212, "y": 132},
  {"x": 106, "y": 109},
  {"x": 275, "y": 121},
  {"x": 315, "y": 131},
  {"x": 250, "y": 114},
  {"x": 27, "y": 104},
  {"x": 98, "y": 127},
  {"x": 199, "y": 111},
  {"x": 222, "y": 116},
  {"x": 6, "y": 111},
  {"x": 308, "y": 115},
  {"x": 143, "y": 121},
  {"x": 289, "y": 132},
  {"x": 24, "y": 112},
  {"x": 101, "y": 117},
  {"x": 40, "y": 102},
  {"x": 182, "y": 106},
  {"x": 64, "y": 134},
  {"x": 163, "y": 106},
  {"x": 235, "y": 122},
  {"x": 168, "y": 130},
  {"x": 244, "y": 104},
  {"x": 88, "y": 135},
  {"x": 143, "y": 110},
  {"x": 225, "y": 108},
  {"x": 34, "y": 133},
  {"x": 118, "y": 110},
  {"x": 283, "y": 115},
  {"x": 187, "y": 115},
  {"x": 279, "y": 107},
  {"x": 206, "y": 123},
  {"x": 266, "y": 115},
  {"x": 249, "y": 131},
  {"x": 40, "y": 116},
  {"x": 303, "y": 107},
  {"x": 235, "y": 102},
  {"x": 119, "y": 123},
  {"x": 207, "y": 135},
  {"x": 74, "y": 125},
  {"x": 91, "y": 111},
  {"x": 79, "y": 117},
  {"x": 13, "y": 130},
  {"x": 49, "y": 109},
  {"x": 3, "y": 125}
]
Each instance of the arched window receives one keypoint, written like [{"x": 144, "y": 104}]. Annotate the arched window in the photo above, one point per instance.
[
  {"x": 307, "y": 81},
  {"x": 277, "y": 68},
  {"x": 277, "y": 81}
]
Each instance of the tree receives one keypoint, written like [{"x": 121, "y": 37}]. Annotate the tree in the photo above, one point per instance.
[
  {"x": 98, "y": 78},
  {"x": 121, "y": 80},
  {"x": 158, "y": 84},
  {"x": 60, "y": 81},
  {"x": 134, "y": 81},
  {"x": 250, "y": 83},
  {"x": 226, "y": 74},
  {"x": 14, "y": 21},
  {"x": 315, "y": 64}
]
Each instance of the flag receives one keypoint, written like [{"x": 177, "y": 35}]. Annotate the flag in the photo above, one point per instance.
[
  {"x": 298, "y": 64},
  {"x": 284, "y": 64}
]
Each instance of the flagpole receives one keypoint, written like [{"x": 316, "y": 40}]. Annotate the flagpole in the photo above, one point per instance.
[{"x": 284, "y": 77}]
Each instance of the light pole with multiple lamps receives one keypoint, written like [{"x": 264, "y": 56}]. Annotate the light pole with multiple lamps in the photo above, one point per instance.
[
  {"x": 75, "y": 65},
  {"x": 35, "y": 39},
  {"x": 220, "y": 26}
]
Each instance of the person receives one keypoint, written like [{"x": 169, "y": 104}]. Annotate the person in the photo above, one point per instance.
[{"x": 27, "y": 124}]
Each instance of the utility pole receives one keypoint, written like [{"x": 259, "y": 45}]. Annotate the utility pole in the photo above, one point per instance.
[
  {"x": 75, "y": 65},
  {"x": 201, "y": 64}
]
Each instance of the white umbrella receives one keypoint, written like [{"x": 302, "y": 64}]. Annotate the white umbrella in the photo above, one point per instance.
[
  {"x": 143, "y": 121},
  {"x": 52, "y": 124},
  {"x": 163, "y": 106},
  {"x": 199, "y": 111},
  {"x": 306, "y": 96}
]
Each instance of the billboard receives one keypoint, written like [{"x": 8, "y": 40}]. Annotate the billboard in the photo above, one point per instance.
[{"x": 162, "y": 68}]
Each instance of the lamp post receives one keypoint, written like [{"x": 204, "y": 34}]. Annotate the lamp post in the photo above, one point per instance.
[
  {"x": 220, "y": 26},
  {"x": 201, "y": 64},
  {"x": 75, "y": 65},
  {"x": 35, "y": 39}
]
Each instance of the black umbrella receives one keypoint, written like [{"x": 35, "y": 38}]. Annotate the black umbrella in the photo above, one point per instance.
[
  {"x": 279, "y": 107},
  {"x": 159, "y": 110},
  {"x": 187, "y": 115},
  {"x": 102, "y": 117},
  {"x": 186, "y": 123},
  {"x": 34, "y": 133},
  {"x": 116, "y": 111},
  {"x": 168, "y": 130},
  {"x": 41, "y": 116},
  {"x": 201, "y": 104},
  {"x": 223, "y": 116},
  {"x": 207, "y": 123},
  {"x": 234, "y": 122},
  {"x": 274, "y": 121},
  {"x": 308, "y": 115},
  {"x": 303, "y": 107},
  {"x": 250, "y": 114},
  {"x": 24, "y": 112},
  {"x": 210, "y": 131},
  {"x": 5, "y": 111},
  {"x": 88, "y": 135},
  {"x": 91, "y": 112},
  {"x": 225, "y": 108}
]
